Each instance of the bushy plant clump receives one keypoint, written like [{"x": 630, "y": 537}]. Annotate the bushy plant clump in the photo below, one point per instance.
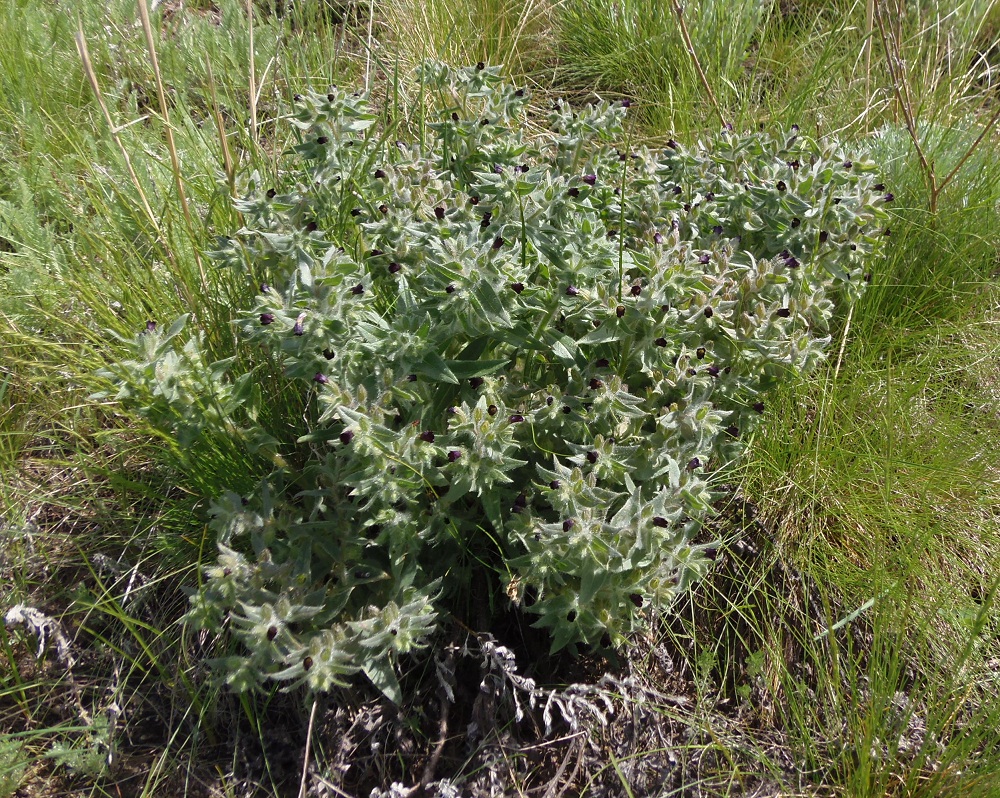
[{"x": 524, "y": 357}]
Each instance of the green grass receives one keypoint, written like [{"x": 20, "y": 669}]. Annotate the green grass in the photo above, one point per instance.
[{"x": 876, "y": 481}]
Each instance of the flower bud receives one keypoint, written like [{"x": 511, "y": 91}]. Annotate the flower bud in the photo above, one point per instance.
[
  {"x": 320, "y": 378},
  {"x": 266, "y": 318}
]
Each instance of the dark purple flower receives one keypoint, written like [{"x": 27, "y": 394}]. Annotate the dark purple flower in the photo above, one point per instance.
[
  {"x": 794, "y": 164},
  {"x": 571, "y": 616},
  {"x": 661, "y": 341},
  {"x": 595, "y": 384},
  {"x": 320, "y": 378},
  {"x": 660, "y": 522},
  {"x": 676, "y": 189},
  {"x": 887, "y": 232},
  {"x": 355, "y": 212},
  {"x": 517, "y": 288},
  {"x": 780, "y": 185},
  {"x": 848, "y": 164},
  {"x": 657, "y": 237},
  {"x": 574, "y": 192},
  {"x": 758, "y": 407},
  {"x": 704, "y": 259},
  {"x": 298, "y": 329},
  {"x": 497, "y": 169},
  {"x": 620, "y": 311},
  {"x": 708, "y": 312},
  {"x": 868, "y": 277},
  {"x": 691, "y": 372},
  {"x": 454, "y": 455},
  {"x": 602, "y": 363},
  {"x": 889, "y": 197},
  {"x": 271, "y": 193},
  {"x": 672, "y": 144},
  {"x": 307, "y": 663},
  {"x": 484, "y": 122},
  {"x": 475, "y": 382},
  {"x": 151, "y": 326},
  {"x": 636, "y": 599},
  {"x": 635, "y": 290},
  {"x": 379, "y": 173},
  {"x": 823, "y": 236},
  {"x": 480, "y": 66},
  {"x": 879, "y": 187},
  {"x": 383, "y": 209},
  {"x": 346, "y": 436},
  {"x": 568, "y": 524},
  {"x": 311, "y": 227},
  {"x": 555, "y": 484},
  {"x": 590, "y": 179},
  {"x": 498, "y": 242},
  {"x": 411, "y": 377},
  {"x": 567, "y": 410},
  {"x": 687, "y": 207},
  {"x": 733, "y": 431},
  {"x": 266, "y": 318},
  {"x": 717, "y": 229},
  {"x": 439, "y": 213},
  {"x": 572, "y": 290},
  {"x": 549, "y": 400},
  {"x": 796, "y": 222},
  {"x": 450, "y": 288},
  {"x": 492, "y": 410},
  {"x": 693, "y": 463},
  {"x": 264, "y": 288},
  {"x": 519, "y": 93},
  {"x": 427, "y": 436},
  {"x": 329, "y": 354},
  {"x": 783, "y": 313},
  {"x": 322, "y": 140},
  {"x": 700, "y": 353},
  {"x": 593, "y": 456},
  {"x": 713, "y": 370},
  {"x": 626, "y": 103},
  {"x": 473, "y": 200},
  {"x": 394, "y": 267},
  {"x": 792, "y": 262},
  {"x": 516, "y": 418},
  {"x": 358, "y": 290}
]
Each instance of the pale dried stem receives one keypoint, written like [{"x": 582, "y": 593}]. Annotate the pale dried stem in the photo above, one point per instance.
[
  {"x": 227, "y": 158},
  {"x": 88, "y": 68},
  {"x": 893, "y": 59},
  {"x": 253, "y": 75},
  {"x": 679, "y": 13},
  {"x": 304, "y": 783},
  {"x": 175, "y": 164}
]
